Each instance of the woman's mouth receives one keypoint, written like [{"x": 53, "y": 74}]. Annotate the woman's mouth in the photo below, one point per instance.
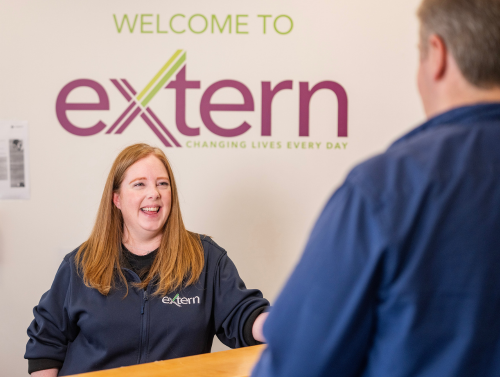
[{"x": 150, "y": 210}]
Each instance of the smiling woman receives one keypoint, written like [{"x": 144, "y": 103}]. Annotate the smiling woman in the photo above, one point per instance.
[
  {"x": 112, "y": 297},
  {"x": 140, "y": 181},
  {"x": 144, "y": 201}
]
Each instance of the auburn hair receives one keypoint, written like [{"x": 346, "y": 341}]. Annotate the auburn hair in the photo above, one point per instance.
[{"x": 180, "y": 258}]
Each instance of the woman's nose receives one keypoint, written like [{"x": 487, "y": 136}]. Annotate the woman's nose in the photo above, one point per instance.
[{"x": 154, "y": 193}]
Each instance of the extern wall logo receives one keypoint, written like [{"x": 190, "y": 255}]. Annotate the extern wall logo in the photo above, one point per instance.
[
  {"x": 139, "y": 105},
  {"x": 178, "y": 301}
]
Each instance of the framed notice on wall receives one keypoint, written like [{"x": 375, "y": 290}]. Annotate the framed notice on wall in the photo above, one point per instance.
[{"x": 14, "y": 172}]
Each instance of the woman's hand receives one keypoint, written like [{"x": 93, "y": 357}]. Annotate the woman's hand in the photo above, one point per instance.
[
  {"x": 47, "y": 372},
  {"x": 257, "y": 328}
]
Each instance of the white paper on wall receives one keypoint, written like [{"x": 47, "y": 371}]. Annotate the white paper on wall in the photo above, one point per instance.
[{"x": 14, "y": 152}]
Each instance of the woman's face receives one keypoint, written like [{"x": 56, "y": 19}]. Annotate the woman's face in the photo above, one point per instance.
[{"x": 144, "y": 198}]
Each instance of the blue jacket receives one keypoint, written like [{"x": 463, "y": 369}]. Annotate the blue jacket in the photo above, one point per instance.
[
  {"x": 401, "y": 274},
  {"x": 89, "y": 332}
]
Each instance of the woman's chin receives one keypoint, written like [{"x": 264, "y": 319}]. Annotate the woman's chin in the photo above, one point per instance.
[{"x": 152, "y": 228}]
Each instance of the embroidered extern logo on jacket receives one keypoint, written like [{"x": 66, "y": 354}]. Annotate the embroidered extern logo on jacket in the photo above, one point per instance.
[{"x": 180, "y": 300}]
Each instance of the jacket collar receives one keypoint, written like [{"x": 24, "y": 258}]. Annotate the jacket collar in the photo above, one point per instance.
[{"x": 466, "y": 116}]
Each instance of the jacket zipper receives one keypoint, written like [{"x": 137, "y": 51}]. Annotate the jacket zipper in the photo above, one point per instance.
[
  {"x": 144, "y": 333},
  {"x": 144, "y": 320}
]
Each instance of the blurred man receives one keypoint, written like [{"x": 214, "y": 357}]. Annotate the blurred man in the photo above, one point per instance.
[{"x": 401, "y": 275}]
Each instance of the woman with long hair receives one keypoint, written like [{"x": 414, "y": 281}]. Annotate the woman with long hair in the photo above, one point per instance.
[{"x": 142, "y": 288}]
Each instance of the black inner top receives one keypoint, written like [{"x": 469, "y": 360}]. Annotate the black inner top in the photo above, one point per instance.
[{"x": 140, "y": 264}]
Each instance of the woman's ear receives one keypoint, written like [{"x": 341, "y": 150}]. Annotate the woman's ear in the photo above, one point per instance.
[{"x": 116, "y": 200}]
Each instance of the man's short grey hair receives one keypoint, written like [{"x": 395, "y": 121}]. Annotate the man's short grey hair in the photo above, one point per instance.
[{"x": 471, "y": 31}]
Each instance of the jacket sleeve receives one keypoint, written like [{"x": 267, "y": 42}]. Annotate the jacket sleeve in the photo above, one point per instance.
[
  {"x": 52, "y": 328},
  {"x": 234, "y": 304},
  {"x": 323, "y": 322}
]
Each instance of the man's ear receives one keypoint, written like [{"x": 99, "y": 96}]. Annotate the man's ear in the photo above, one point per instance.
[
  {"x": 116, "y": 200},
  {"x": 438, "y": 57}
]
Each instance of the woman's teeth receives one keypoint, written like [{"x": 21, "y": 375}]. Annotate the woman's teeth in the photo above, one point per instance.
[{"x": 150, "y": 209}]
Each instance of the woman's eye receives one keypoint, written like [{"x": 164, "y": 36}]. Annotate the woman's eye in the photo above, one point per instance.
[
  {"x": 139, "y": 184},
  {"x": 163, "y": 184}
]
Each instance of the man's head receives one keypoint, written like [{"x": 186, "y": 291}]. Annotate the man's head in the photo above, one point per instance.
[{"x": 459, "y": 53}]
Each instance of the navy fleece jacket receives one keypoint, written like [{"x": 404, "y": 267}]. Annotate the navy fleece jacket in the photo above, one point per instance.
[{"x": 88, "y": 331}]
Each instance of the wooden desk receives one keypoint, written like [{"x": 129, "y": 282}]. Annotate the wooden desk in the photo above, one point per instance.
[{"x": 232, "y": 363}]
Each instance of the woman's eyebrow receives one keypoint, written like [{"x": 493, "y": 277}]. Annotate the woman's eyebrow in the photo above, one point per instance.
[
  {"x": 137, "y": 179},
  {"x": 162, "y": 178}
]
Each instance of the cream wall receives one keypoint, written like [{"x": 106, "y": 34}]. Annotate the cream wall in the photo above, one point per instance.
[{"x": 258, "y": 204}]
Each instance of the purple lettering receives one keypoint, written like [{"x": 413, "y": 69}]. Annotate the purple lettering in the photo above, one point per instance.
[
  {"x": 62, "y": 106},
  {"x": 305, "y": 99},
  {"x": 181, "y": 85},
  {"x": 206, "y": 107},
  {"x": 267, "y": 100}
]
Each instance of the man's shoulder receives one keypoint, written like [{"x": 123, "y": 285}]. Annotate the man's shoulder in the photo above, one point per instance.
[{"x": 410, "y": 163}]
